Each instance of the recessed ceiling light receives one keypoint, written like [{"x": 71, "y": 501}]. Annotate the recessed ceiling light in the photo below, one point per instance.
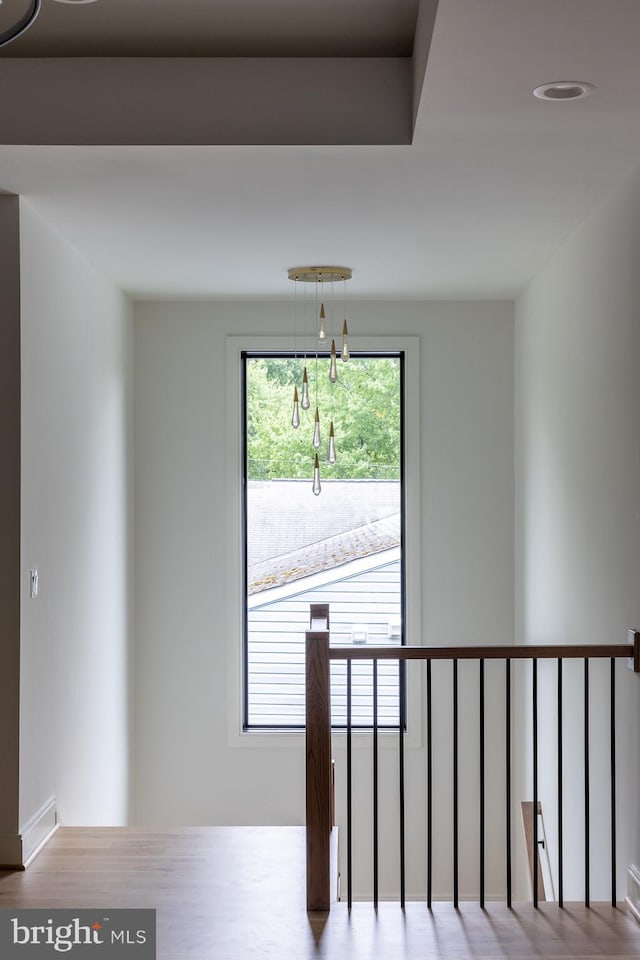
[
  {"x": 76, "y": 1},
  {"x": 563, "y": 90}
]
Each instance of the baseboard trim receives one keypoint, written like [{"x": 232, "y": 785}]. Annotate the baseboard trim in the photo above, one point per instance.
[
  {"x": 633, "y": 891},
  {"x": 38, "y": 831},
  {"x": 45, "y": 840}
]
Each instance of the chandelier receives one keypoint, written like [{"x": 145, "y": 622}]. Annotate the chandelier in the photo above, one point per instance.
[{"x": 324, "y": 279}]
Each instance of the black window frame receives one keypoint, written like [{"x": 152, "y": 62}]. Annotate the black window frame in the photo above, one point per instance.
[{"x": 246, "y": 355}]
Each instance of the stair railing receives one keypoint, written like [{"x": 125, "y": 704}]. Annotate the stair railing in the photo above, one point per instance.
[{"x": 319, "y": 788}]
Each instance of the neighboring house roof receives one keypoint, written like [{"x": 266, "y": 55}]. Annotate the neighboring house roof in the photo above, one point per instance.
[
  {"x": 363, "y": 541},
  {"x": 344, "y": 505},
  {"x": 355, "y": 540}
]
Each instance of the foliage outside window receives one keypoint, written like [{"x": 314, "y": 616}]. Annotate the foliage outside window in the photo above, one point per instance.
[{"x": 364, "y": 405}]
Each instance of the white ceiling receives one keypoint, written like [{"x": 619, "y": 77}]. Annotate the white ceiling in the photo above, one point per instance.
[{"x": 492, "y": 184}]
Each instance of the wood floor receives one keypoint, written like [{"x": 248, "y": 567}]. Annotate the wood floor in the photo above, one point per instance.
[{"x": 235, "y": 893}]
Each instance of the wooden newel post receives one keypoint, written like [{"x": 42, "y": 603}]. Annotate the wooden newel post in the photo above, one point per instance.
[
  {"x": 318, "y": 726},
  {"x": 634, "y": 638}
]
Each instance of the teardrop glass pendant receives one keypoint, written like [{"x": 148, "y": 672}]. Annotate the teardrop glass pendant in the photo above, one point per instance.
[
  {"x": 305, "y": 403},
  {"x": 331, "y": 455},
  {"x": 295, "y": 418},
  {"x": 345, "y": 342},
  {"x": 316, "y": 431},
  {"x": 316, "y": 477},
  {"x": 322, "y": 334},
  {"x": 333, "y": 370}
]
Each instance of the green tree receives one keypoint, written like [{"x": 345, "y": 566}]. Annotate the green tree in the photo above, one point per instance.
[{"x": 364, "y": 405}]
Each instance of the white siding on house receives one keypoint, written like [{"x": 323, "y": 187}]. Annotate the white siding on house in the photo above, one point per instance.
[{"x": 369, "y": 599}]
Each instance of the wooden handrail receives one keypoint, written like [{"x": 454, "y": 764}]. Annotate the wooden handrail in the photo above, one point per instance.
[{"x": 528, "y": 652}]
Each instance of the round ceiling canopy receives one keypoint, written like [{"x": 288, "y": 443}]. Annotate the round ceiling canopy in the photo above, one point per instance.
[{"x": 319, "y": 274}]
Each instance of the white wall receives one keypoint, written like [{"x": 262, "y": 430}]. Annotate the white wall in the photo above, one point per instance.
[
  {"x": 577, "y": 348},
  {"x": 10, "y": 847},
  {"x": 75, "y": 726},
  {"x": 191, "y": 766}
]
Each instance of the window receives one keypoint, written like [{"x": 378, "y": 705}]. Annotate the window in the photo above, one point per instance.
[{"x": 343, "y": 547}]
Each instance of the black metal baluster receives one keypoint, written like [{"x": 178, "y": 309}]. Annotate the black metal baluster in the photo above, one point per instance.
[
  {"x": 455, "y": 784},
  {"x": 401, "y": 714},
  {"x": 586, "y": 783},
  {"x": 535, "y": 782},
  {"x": 481, "y": 784},
  {"x": 614, "y": 897},
  {"x": 560, "y": 815},
  {"x": 429, "y": 793},
  {"x": 508, "y": 775},
  {"x": 349, "y": 784},
  {"x": 375, "y": 784}
]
